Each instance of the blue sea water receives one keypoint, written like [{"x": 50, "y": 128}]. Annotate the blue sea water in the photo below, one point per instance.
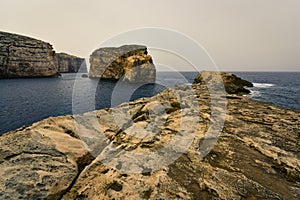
[
  {"x": 279, "y": 88},
  {"x": 25, "y": 101}
]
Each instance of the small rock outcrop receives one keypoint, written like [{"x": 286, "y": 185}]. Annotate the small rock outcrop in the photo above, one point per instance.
[
  {"x": 232, "y": 83},
  {"x": 124, "y": 152},
  {"x": 68, "y": 63},
  {"x": 22, "y": 56},
  {"x": 129, "y": 62}
]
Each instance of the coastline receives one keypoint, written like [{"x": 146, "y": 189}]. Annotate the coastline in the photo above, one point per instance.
[
  {"x": 250, "y": 153},
  {"x": 18, "y": 112},
  {"x": 266, "y": 104}
]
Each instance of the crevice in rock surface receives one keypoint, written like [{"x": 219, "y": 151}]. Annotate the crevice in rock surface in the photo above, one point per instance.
[
  {"x": 30, "y": 153},
  {"x": 81, "y": 164},
  {"x": 6, "y": 60},
  {"x": 249, "y": 160}
]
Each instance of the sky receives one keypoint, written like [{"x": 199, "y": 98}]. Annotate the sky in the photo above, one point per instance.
[{"x": 239, "y": 35}]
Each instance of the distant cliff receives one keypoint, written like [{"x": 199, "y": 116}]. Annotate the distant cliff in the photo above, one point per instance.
[
  {"x": 68, "y": 63},
  {"x": 22, "y": 56},
  {"x": 107, "y": 154},
  {"x": 129, "y": 62}
]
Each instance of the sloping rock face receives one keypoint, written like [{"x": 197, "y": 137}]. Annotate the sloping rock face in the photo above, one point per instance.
[
  {"x": 129, "y": 62},
  {"x": 22, "y": 56},
  {"x": 161, "y": 147},
  {"x": 232, "y": 83},
  {"x": 68, "y": 63},
  {"x": 41, "y": 161}
]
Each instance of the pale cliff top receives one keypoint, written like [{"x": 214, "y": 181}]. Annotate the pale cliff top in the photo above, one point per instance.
[{"x": 5, "y": 36}]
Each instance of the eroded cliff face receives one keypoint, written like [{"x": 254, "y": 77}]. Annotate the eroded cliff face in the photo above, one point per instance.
[
  {"x": 129, "y": 62},
  {"x": 22, "y": 56},
  {"x": 68, "y": 63},
  {"x": 161, "y": 147}
]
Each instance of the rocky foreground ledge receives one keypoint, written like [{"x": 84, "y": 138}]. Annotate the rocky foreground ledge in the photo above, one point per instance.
[{"x": 99, "y": 155}]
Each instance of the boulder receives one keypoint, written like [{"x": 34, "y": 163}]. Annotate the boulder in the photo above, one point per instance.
[
  {"x": 129, "y": 63},
  {"x": 22, "y": 56},
  {"x": 68, "y": 63},
  {"x": 231, "y": 83}
]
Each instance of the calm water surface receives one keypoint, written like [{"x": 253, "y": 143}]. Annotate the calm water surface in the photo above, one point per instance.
[{"x": 25, "y": 101}]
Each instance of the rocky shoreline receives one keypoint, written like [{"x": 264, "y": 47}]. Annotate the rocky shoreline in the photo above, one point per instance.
[{"x": 159, "y": 148}]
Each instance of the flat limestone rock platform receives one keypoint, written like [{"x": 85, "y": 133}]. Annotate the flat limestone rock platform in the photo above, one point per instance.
[{"x": 99, "y": 155}]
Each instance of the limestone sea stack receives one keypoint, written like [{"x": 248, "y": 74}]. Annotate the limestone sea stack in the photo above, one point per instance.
[
  {"x": 68, "y": 63},
  {"x": 129, "y": 63},
  {"x": 107, "y": 154},
  {"x": 22, "y": 56}
]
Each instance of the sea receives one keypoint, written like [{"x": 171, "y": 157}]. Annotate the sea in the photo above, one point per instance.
[{"x": 28, "y": 100}]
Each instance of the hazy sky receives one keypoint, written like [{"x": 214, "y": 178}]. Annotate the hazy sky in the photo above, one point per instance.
[{"x": 240, "y": 35}]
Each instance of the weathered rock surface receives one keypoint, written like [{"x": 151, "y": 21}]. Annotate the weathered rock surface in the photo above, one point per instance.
[
  {"x": 232, "y": 83},
  {"x": 68, "y": 63},
  {"x": 129, "y": 62},
  {"x": 41, "y": 161},
  {"x": 22, "y": 56},
  {"x": 163, "y": 147}
]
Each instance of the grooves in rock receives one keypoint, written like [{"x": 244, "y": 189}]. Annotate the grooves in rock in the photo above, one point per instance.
[{"x": 256, "y": 155}]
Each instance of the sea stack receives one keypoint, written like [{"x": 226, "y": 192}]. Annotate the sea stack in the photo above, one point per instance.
[
  {"x": 129, "y": 63},
  {"x": 22, "y": 56}
]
